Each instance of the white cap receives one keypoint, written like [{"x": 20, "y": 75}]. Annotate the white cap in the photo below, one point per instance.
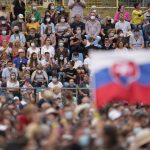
[
  {"x": 16, "y": 98},
  {"x": 20, "y": 51},
  {"x": 114, "y": 114},
  {"x": 93, "y": 7},
  {"x": 21, "y": 16}
]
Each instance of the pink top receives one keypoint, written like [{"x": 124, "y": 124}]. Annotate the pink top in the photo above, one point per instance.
[
  {"x": 127, "y": 16},
  {"x": 7, "y": 38}
]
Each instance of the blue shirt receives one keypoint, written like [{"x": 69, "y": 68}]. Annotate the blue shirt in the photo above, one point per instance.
[{"x": 18, "y": 61}]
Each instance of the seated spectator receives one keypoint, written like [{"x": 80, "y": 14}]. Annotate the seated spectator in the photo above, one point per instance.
[
  {"x": 39, "y": 77},
  {"x": 62, "y": 12},
  {"x": 137, "y": 16},
  {"x": 33, "y": 62},
  {"x": 47, "y": 22},
  {"x": 78, "y": 63},
  {"x": 4, "y": 26},
  {"x": 4, "y": 59},
  {"x": 120, "y": 46},
  {"x": 32, "y": 23},
  {"x": 94, "y": 10},
  {"x": 78, "y": 42},
  {"x": 57, "y": 93},
  {"x": 13, "y": 84},
  {"x": 121, "y": 10},
  {"x": 5, "y": 48},
  {"x": 48, "y": 33},
  {"x": 107, "y": 44},
  {"x": 33, "y": 36},
  {"x": 147, "y": 14},
  {"x": 24, "y": 73},
  {"x": 78, "y": 23},
  {"x": 3, "y": 12},
  {"x": 87, "y": 61},
  {"x": 4, "y": 37},
  {"x": 20, "y": 23},
  {"x": 17, "y": 36},
  {"x": 123, "y": 25},
  {"x": 69, "y": 73},
  {"x": 33, "y": 48},
  {"x": 47, "y": 47},
  {"x": 55, "y": 83},
  {"x": 15, "y": 48},
  {"x": 7, "y": 71},
  {"x": 147, "y": 33},
  {"x": 61, "y": 26},
  {"x": 36, "y": 13},
  {"x": 136, "y": 41},
  {"x": 20, "y": 59},
  {"x": 93, "y": 28}
]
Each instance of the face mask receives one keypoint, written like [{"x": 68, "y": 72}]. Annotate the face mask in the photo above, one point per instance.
[
  {"x": 3, "y": 32},
  {"x": 34, "y": 8},
  {"x": 92, "y": 17},
  {"x": 9, "y": 68},
  {"x": 23, "y": 68},
  {"x": 61, "y": 44},
  {"x": 17, "y": 31},
  {"x": 84, "y": 140},
  {"x": 52, "y": 7},
  {"x": 137, "y": 130},
  {"x": 3, "y": 22},
  {"x": 32, "y": 44},
  {"x": 62, "y": 20},
  {"x": 68, "y": 115},
  {"x": 33, "y": 19},
  {"x": 54, "y": 79},
  {"x": 75, "y": 58},
  {"x": 48, "y": 19},
  {"x": 78, "y": 31},
  {"x": 62, "y": 9},
  {"x": 20, "y": 20},
  {"x": 94, "y": 11},
  {"x": 61, "y": 58}
]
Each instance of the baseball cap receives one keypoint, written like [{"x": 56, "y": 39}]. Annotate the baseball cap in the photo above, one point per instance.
[{"x": 21, "y": 16}]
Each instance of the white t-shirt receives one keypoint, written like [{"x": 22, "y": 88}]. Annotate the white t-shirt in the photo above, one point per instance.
[
  {"x": 30, "y": 51},
  {"x": 77, "y": 64},
  {"x": 49, "y": 49},
  {"x": 124, "y": 26},
  {"x": 52, "y": 85}
]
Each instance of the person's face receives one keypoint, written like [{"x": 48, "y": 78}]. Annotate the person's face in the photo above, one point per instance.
[
  {"x": 32, "y": 32},
  {"x": 12, "y": 76},
  {"x": 47, "y": 56},
  {"x": 22, "y": 54},
  {"x": 35, "y": 56},
  {"x": 120, "y": 44},
  {"x": 9, "y": 64},
  {"x": 78, "y": 18},
  {"x": 121, "y": 17},
  {"x": 4, "y": 43},
  {"x": 122, "y": 9},
  {"x": 86, "y": 78},
  {"x": 71, "y": 82},
  {"x": 107, "y": 43},
  {"x": 48, "y": 41},
  {"x": 138, "y": 7}
]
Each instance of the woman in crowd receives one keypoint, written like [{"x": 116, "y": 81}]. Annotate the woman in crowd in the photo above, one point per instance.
[
  {"x": 120, "y": 46},
  {"x": 121, "y": 10},
  {"x": 33, "y": 62},
  {"x": 13, "y": 84},
  {"x": 3, "y": 12}
]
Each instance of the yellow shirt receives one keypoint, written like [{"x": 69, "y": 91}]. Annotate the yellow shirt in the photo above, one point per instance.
[
  {"x": 137, "y": 17},
  {"x": 34, "y": 25}
]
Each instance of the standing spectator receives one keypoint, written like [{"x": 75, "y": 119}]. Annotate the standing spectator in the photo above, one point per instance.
[
  {"x": 147, "y": 33},
  {"x": 78, "y": 23},
  {"x": 92, "y": 28},
  {"x": 7, "y": 71},
  {"x": 121, "y": 10},
  {"x": 137, "y": 16},
  {"x": 123, "y": 25},
  {"x": 20, "y": 59},
  {"x": 147, "y": 14},
  {"x": 136, "y": 41},
  {"x": 36, "y": 13},
  {"x": 17, "y": 7},
  {"x": 76, "y": 7}
]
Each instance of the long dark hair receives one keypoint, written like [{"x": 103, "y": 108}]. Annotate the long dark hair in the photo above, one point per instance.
[{"x": 33, "y": 60}]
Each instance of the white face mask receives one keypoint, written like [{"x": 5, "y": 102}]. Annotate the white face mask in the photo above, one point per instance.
[
  {"x": 4, "y": 32},
  {"x": 48, "y": 19},
  {"x": 92, "y": 17},
  {"x": 32, "y": 44},
  {"x": 78, "y": 31},
  {"x": 62, "y": 20},
  {"x": 94, "y": 10},
  {"x": 3, "y": 22},
  {"x": 33, "y": 18},
  {"x": 68, "y": 115},
  {"x": 52, "y": 7},
  {"x": 34, "y": 8},
  {"x": 23, "y": 68}
]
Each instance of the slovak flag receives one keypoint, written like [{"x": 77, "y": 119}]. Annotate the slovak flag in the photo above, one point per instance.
[{"x": 123, "y": 75}]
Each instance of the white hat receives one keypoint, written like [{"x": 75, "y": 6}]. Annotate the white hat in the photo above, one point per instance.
[
  {"x": 16, "y": 98},
  {"x": 21, "y": 16},
  {"x": 93, "y": 7},
  {"x": 114, "y": 114}
]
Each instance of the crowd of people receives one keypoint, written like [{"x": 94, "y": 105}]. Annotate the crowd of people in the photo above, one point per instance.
[{"x": 45, "y": 101}]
